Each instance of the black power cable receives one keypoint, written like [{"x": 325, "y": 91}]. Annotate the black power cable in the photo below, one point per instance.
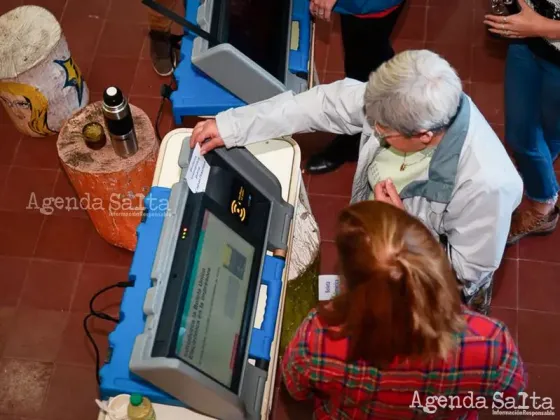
[
  {"x": 95, "y": 348},
  {"x": 104, "y": 316},
  {"x": 166, "y": 90}
]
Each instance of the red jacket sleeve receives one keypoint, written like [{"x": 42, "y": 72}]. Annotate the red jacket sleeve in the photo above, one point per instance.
[
  {"x": 296, "y": 363},
  {"x": 512, "y": 377}
]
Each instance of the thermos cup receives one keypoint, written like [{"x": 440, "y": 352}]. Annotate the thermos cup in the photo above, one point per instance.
[{"x": 118, "y": 119}]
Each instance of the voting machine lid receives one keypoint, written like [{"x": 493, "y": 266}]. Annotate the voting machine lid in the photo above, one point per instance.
[
  {"x": 251, "y": 49},
  {"x": 223, "y": 216}
]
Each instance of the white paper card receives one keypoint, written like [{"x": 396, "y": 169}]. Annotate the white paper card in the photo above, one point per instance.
[
  {"x": 198, "y": 171},
  {"x": 329, "y": 286}
]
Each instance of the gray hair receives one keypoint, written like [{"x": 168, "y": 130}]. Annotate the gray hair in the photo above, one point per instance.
[{"x": 413, "y": 92}]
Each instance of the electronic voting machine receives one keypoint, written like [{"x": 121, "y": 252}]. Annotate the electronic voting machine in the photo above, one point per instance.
[
  {"x": 191, "y": 340},
  {"x": 238, "y": 52}
]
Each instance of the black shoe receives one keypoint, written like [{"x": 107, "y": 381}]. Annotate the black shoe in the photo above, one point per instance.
[
  {"x": 341, "y": 150},
  {"x": 163, "y": 52}
]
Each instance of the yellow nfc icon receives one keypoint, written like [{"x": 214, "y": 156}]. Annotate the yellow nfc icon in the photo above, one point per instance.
[{"x": 236, "y": 208}]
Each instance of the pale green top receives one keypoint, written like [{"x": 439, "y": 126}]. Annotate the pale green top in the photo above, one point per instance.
[{"x": 389, "y": 162}]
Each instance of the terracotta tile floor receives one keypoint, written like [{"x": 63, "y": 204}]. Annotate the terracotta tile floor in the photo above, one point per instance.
[{"x": 51, "y": 265}]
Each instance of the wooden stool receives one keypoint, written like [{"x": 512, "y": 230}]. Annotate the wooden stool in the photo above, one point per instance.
[
  {"x": 110, "y": 188},
  {"x": 302, "y": 291},
  {"x": 40, "y": 84}
]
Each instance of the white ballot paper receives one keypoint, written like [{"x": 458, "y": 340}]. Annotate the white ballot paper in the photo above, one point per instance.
[
  {"x": 197, "y": 171},
  {"x": 329, "y": 286}
]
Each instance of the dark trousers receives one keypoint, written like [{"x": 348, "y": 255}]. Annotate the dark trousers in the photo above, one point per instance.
[{"x": 367, "y": 45}]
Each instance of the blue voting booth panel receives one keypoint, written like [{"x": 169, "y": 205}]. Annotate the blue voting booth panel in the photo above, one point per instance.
[
  {"x": 198, "y": 95},
  {"x": 115, "y": 375},
  {"x": 299, "y": 59},
  {"x": 261, "y": 338}
]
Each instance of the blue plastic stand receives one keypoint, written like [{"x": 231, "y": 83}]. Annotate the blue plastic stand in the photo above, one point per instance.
[
  {"x": 261, "y": 339},
  {"x": 299, "y": 59},
  {"x": 115, "y": 375},
  {"x": 198, "y": 95}
]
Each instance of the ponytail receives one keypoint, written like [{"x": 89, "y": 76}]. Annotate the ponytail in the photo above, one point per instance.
[{"x": 400, "y": 299}]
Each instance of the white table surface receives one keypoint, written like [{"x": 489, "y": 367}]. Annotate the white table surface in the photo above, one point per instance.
[{"x": 282, "y": 157}]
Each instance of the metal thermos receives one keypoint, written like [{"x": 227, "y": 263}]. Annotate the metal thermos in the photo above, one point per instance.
[{"x": 118, "y": 119}]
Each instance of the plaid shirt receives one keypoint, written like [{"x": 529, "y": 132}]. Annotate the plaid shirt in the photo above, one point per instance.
[{"x": 485, "y": 361}]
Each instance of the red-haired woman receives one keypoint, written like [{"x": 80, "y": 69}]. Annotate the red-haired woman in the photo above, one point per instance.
[{"x": 397, "y": 337}]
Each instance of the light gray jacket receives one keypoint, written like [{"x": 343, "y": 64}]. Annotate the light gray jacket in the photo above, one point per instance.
[{"x": 468, "y": 193}]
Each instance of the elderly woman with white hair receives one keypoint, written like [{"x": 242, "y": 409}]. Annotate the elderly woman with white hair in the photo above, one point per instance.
[{"x": 425, "y": 147}]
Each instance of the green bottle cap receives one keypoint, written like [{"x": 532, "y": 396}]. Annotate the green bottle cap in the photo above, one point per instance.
[{"x": 136, "y": 399}]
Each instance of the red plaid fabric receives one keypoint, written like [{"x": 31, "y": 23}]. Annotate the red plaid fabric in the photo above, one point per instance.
[{"x": 485, "y": 361}]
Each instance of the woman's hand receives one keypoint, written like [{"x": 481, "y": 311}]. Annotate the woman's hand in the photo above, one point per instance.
[
  {"x": 525, "y": 24},
  {"x": 207, "y": 135},
  {"x": 386, "y": 192},
  {"x": 322, "y": 8}
]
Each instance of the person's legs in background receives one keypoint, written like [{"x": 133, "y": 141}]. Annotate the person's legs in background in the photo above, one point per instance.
[
  {"x": 532, "y": 99},
  {"x": 367, "y": 45},
  {"x": 161, "y": 48},
  {"x": 550, "y": 108}
]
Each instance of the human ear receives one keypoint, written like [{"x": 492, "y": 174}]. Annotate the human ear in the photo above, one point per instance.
[{"x": 426, "y": 137}]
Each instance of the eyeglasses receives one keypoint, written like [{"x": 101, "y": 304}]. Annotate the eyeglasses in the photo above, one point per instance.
[{"x": 382, "y": 138}]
